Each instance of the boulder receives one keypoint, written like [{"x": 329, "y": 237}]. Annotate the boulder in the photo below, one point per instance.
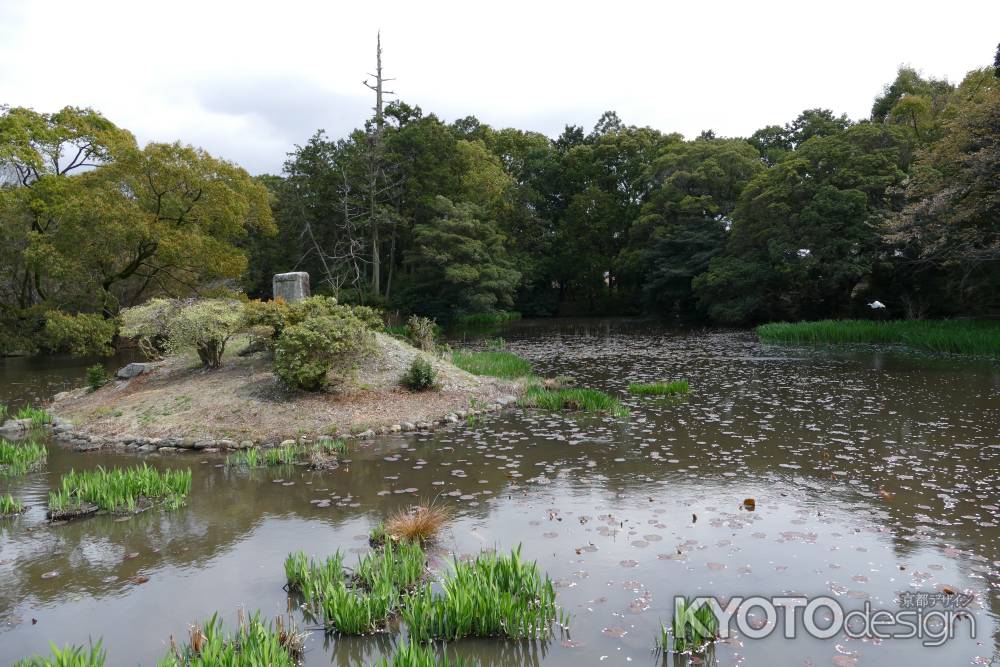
[{"x": 134, "y": 369}]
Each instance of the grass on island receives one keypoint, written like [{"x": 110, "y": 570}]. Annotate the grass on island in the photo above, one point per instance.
[
  {"x": 37, "y": 416},
  {"x": 413, "y": 654},
  {"x": 572, "y": 398},
  {"x": 118, "y": 490},
  {"x": 255, "y": 642},
  {"x": 69, "y": 656},
  {"x": 953, "y": 336},
  {"x": 659, "y": 388},
  {"x": 18, "y": 458},
  {"x": 492, "y": 596},
  {"x": 494, "y": 363},
  {"x": 690, "y": 631},
  {"x": 362, "y": 602},
  {"x": 317, "y": 454},
  {"x": 9, "y": 506}
]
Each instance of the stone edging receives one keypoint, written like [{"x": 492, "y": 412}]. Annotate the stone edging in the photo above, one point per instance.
[{"x": 63, "y": 431}]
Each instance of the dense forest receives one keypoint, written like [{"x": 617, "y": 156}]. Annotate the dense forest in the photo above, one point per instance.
[{"x": 814, "y": 218}]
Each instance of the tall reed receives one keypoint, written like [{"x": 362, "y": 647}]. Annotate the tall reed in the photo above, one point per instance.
[{"x": 952, "y": 336}]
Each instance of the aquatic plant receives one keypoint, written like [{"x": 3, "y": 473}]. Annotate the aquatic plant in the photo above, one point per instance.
[
  {"x": 421, "y": 524},
  {"x": 18, "y": 458},
  {"x": 413, "y": 654},
  {"x": 659, "y": 388},
  {"x": 97, "y": 376},
  {"x": 953, "y": 336},
  {"x": 254, "y": 643},
  {"x": 118, "y": 490},
  {"x": 692, "y": 628},
  {"x": 3, "y": 413},
  {"x": 492, "y": 596},
  {"x": 310, "y": 577},
  {"x": 315, "y": 454},
  {"x": 362, "y": 603},
  {"x": 495, "y": 363},
  {"x": 9, "y": 506},
  {"x": 572, "y": 398},
  {"x": 38, "y": 417},
  {"x": 68, "y": 656},
  {"x": 420, "y": 376}
]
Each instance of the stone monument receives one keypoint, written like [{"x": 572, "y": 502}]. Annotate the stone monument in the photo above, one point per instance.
[{"x": 291, "y": 287}]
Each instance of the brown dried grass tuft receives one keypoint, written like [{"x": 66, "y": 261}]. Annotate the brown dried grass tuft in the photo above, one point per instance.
[{"x": 420, "y": 524}]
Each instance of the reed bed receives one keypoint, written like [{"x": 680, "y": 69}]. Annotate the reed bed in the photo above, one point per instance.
[
  {"x": 486, "y": 319},
  {"x": 118, "y": 490},
  {"x": 494, "y": 363},
  {"x": 413, "y": 654},
  {"x": 18, "y": 458},
  {"x": 9, "y": 506},
  {"x": 659, "y": 388},
  {"x": 37, "y": 416},
  {"x": 947, "y": 336},
  {"x": 572, "y": 398},
  {"x": 255, "y": 643},
  {"x": 68, "y": 656},
  {"x": 492, "y": 596}
]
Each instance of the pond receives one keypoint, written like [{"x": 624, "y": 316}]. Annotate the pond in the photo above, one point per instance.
[{"x": 873, "y": 474}]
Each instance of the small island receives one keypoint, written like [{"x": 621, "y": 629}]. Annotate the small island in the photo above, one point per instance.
[{"x": 267, "y": 372}]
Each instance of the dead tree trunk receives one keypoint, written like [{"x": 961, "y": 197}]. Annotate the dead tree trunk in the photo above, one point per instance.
[{"x": 375, "y": 163}]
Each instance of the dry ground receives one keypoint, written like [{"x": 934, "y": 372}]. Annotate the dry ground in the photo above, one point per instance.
[{"x": 244, "y": 400}]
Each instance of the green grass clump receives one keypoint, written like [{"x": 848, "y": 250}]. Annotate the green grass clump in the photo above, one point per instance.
[
  {"x": 492, "y": 596},
  {"x": 659, "y": 388},
  {"x": 3, "y": 413},
  {"x": 363, "y": 602},
  {"x": 9, "y": 506},
  {"x": 254, "y": 643},
  {"x": 413, "y": 654},
  {"x": 494, "y": 363},
  {"x": 952, "y": 336},
  {"x": 38, "y": 417},
  {"x": 18, "y": 458},
  {"x": 291, "y": 454},
  {"x": 420, "y": 376},
  {"x": 572, "y": 398},
  {"x": 120, "y": 490},
  {"x": 310, "y": 577},
  {"x": 69, "y": 656},
  {"x": 692, "y": 629}
]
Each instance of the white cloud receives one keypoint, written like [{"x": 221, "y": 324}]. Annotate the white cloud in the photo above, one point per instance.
[{"x": 248, "y": 80}]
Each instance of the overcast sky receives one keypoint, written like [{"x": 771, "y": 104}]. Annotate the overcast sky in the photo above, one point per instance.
[{"x": 247, "y": 81}]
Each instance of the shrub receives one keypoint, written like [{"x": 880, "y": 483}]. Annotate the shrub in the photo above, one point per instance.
[
  {"x": 420, "y": 331},
  {"x": 205, "y": 325},
  {"x": 81, "y": 335},
  {"x": 306, "y": 353},
  {"x": 97, "y": 377},
  {"x": 420, "y": 376},
  {"x": 494, "y": 363}
]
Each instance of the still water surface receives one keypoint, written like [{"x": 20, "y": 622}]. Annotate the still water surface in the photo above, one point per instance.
[{"x": 873, "y": 473}]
